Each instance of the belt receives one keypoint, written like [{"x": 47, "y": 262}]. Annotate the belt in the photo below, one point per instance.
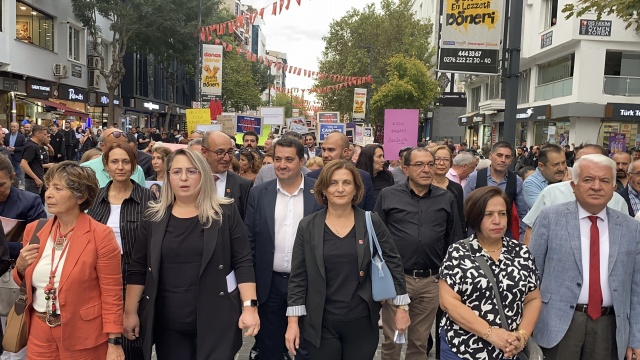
[
  {"x": 581, "y": 308},
  {"x": 422, "y": 273},
  {"x": 281, "y": 274},
  {"x": 49, "y": 320}
]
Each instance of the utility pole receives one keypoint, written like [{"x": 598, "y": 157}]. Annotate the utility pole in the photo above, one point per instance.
[
  {"x": 512, "y": 75},
  {"x": 370, "y": 48},
  {"x": 199, "y": 59}
]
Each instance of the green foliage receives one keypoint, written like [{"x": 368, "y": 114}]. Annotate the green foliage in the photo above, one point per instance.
[
  {"x": 627, "y": 10},
  {"x": 390, "y": 31},
  {"x": 284, "y": 100},
  {"x": 239, "y": 90},
  {"x": 411, "y": 86}
]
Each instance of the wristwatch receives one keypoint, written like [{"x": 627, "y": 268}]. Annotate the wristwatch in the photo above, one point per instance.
[
  {"x": 403, "y": 307},
  {"x": 115, "y": 341},
  {"x": 252, "y": 303}
]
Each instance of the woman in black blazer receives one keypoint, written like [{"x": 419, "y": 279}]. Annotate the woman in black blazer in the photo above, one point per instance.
[
  {"x": 191, "y": 284},
  {"x": 330, "y": 282},
  {"x": 444, "y": 159}
]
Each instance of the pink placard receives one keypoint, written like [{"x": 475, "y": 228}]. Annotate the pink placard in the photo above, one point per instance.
[
  {"x": 400, "y": 130},
  {"x": 173, "y": 147}
]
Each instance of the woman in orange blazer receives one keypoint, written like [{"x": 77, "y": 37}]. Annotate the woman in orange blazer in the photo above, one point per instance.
[{"x": 74, "y": 282}]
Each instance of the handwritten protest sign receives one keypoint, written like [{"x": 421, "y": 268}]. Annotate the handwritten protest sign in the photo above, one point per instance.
[{"x": 400, "y": 130}]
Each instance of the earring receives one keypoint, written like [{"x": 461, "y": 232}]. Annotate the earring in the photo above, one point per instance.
[{"x": 324, "y": 196}]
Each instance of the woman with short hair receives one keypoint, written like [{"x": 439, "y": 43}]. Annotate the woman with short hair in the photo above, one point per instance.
[
  {"x": 471, "y": 327},
  {"x": 73, "y": 277},
  {"x": 191, "y": 284},
  {"x": 443, "y": 159}
]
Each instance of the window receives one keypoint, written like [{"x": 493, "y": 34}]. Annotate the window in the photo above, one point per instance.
[
  {"x": 106, "y": 53},
  {"x": 34, "y": 27},
  {"x": 622, "y": 73},
  {"x": 74, "y": 43},
  {"x": 550, "y": 18},
  {"x": 474, "y": 98},
  {"x": 556, "y": 70},
  {"x": 493, "y": 87},
  {"x": 523, "y": 86}
]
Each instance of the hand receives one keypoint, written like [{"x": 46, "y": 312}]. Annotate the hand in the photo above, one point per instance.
[
  {"x": 515, "y": 347},
  {"x": 631, "y": 352},
  {"x": 292, "y": 337},
  {"x": 114, "y": 352},
  {"x": 402, "y": 320},
  {"x": 39, "y": 182},
  {"x": 27, "y": 256},
  {"x": 502, "y": 338},
  {"x": 131, "y": 328},
  {"x": 249, "y": 321}
]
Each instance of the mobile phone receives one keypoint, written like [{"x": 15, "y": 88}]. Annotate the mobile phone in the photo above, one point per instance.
[{"x": 399, "y": 338}]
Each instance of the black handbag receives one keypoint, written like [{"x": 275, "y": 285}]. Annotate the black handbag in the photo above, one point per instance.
[{"x": 531, "y": 350}]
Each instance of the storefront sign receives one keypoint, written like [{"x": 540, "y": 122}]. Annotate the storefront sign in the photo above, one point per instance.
[
  {"x": 76, "y": 71},
  {"x": 595, "y": 27},
  {"x": 458, "y": 99},
  {"x": 542, "y": 112},
  {"x": 151, "y": 106},
  {"x": 471, "y": 119},
  {"x": 471, "y": 36},
  {"x": 101, "y": 99},
  {"x": 248, "y": 123},
  {"x": 324, "y": 129},
  {"x": 9, "y": 84},
  {"x": 39, "y": 89},
  {"x": 618, "y": 111},
  {"x": 72, "y": 93},
  {"x": 546, "y": 39}
]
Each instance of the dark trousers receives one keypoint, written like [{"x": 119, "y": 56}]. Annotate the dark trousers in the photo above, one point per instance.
[
  {"x": 586, "y": 339},
  {"x": 174, "y": 344},
  {"x": 70, "y": 152},
  {"x": 346, "y": 340},
  {"x": 31, "y": 186},
  {"x": 273, "y": 321}
]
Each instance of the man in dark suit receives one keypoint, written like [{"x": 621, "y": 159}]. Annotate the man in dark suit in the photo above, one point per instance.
[
  {"x": 218, "y": 149},
  {"x": 336, "y": 147},
  {"x": 15, "y": 141},
  {"x": 57, "y": 143},
  {"x": 70, "y": 141},
  {"x": 310, "y": 141},
  {"x": 274, "y": 210}
]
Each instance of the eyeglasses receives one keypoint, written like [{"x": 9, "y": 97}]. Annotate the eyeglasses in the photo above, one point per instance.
[
  {"x": 634, "y": 173},
  {"x": 444, "y": 160},
  {"x": 198, "y": 132},
  {"x": 420, "y": 166},
  {"x": 116, "y": 134},
  {"x": 177, "y": 173},
  {"x": 221, "y": 153}
]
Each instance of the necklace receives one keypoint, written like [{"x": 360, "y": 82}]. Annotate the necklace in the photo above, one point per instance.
[
  {"x": 50, "y": 290},
  {"x": 339, "y": 230},
  {"x": 492, "y": 251}
]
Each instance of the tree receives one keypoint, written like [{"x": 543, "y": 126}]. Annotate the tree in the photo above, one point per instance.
[
  {"x": 286, "y": 101},
  {"x": 127, "y": 18},
  {"x": 411, "y": 86},
  {"x": 392, "y": 30},
  {"x": 627, "y": 10},
  {"x": 239, "y": 90}
]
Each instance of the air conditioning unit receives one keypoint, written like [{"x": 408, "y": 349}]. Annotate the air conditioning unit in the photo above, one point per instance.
[
  {"x": 60, "y": 70},
  {"x": 94, "y": 63},
  {"x": 94, "y": 79}
]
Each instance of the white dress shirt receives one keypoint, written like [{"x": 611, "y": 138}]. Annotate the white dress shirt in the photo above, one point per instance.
[
  {"x": 40, "y": 278},
  {"x": 289, "y": 212},
  {"x": 221, "y": 184},
  {"x": 585, "y": 237}
]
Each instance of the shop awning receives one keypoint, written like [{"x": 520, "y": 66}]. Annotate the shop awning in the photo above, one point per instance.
[{"x": 65, "y": 109}]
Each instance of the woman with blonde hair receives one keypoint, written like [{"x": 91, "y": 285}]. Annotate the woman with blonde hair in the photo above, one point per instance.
[
  {"x": 191, "y": 278},
  {"x": 159, "y": 154},
  {"x": 314, "y": 163}
]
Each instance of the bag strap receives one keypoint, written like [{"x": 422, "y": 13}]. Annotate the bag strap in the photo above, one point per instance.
[
  {"x": 484, "y": 266},
  {"x": 21, "y": 302},
  {"x": 372, "y": 236}
]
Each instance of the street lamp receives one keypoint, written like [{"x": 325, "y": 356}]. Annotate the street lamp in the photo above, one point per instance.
[{"x": 370, "y": 48}]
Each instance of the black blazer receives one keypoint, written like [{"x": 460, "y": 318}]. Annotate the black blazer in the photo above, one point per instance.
[
  {"x": 368, "y": 200},
  {"x": 307, "y": 283},
  {"x": 260, "y": 222},
  {"x": 226, "y": 248},
  {"x": 458, "y": 192},
  {"x": 21, "y": 141},
  {"x": 144, "y": 160},
  {"x": 624, "y": 192},
  {"x": 238, "y": 189}
]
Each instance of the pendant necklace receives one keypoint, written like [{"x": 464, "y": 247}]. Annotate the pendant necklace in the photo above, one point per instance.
[{"x": 50, "y": 290}]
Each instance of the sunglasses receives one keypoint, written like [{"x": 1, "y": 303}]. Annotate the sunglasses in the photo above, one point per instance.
[{"x": 116, "y": 134}]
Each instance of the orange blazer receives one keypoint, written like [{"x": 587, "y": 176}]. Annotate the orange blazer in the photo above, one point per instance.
[{"x": 90, "y": 290}]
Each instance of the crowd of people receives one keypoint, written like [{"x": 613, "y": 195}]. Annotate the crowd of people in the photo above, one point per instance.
[{"x": 277, "y": 241}]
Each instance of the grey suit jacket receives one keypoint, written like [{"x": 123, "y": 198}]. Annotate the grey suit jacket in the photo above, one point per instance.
[
  {"x": 260, "y": 222},
  {"x": 556, "y": 247}
]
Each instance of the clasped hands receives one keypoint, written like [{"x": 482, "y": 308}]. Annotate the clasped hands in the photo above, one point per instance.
[{"x": 510, "y": 342}]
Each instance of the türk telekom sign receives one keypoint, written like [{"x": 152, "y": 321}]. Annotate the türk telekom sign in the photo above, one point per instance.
[{"x": 72, "y": 93}]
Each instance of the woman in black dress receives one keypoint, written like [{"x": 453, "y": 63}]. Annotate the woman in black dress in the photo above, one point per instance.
[
  {"x": 444, "y": 159},
  {"x": 191, "y": 284},
  {"x": 371, "y": 160}
]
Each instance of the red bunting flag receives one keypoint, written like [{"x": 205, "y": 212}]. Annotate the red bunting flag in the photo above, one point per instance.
[{"x": 275, "y": 9}]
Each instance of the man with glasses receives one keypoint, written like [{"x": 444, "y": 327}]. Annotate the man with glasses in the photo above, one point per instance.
[
  {"x": 498, "y": 174},
  {"x": 218, "y": 149},
  {"x": 631, "y": 192},
  {"x": 423, "y": 221},
  {"x": 107, "y": 139}
]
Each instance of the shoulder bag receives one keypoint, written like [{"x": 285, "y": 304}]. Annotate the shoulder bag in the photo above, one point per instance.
[
  {"x": 531, "y": 350},
  {"x": 382, "y": 286},
  {"x": 16, "y": 333}
]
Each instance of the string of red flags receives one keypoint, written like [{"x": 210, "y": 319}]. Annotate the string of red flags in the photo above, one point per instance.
[{"x": 229, "y": 27}]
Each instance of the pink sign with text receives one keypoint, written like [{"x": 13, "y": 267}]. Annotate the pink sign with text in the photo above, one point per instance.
[{"x": 400, "y": 130}]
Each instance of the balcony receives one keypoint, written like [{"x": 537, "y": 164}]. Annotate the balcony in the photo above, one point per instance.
[
  {"x": 554, "y": 89},
  {"x": 621, "y": 85}
]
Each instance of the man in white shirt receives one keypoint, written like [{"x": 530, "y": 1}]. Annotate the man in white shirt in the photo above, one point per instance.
[{"x": 274, "y": 210}]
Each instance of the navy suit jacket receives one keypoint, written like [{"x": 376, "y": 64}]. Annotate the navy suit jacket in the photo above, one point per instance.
[
  {"x": 21, "y": 141},
  {"x": 238, "y": 188},
  {"x": 260, "y": 223},
  {"x": 369, "y": 200}
]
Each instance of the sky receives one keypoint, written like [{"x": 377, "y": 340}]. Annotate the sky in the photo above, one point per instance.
[{"x": 298, "y": 31}]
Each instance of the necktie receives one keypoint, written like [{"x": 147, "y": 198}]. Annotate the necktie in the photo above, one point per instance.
[
  {"x": 216, "y": 178},
  {"x": 595, "y": 292}
]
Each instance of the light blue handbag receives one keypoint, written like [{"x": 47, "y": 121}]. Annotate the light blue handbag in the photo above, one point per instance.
[{"x": 382, "y": 286}]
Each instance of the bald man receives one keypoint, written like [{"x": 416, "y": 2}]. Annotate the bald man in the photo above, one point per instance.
[{"x": 107, "y": 139}]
